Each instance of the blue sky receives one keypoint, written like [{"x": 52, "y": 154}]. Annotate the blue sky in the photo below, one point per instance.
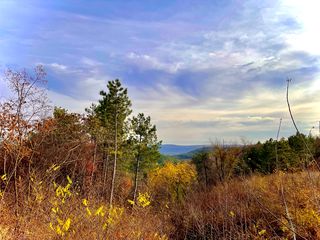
[{"x": 203, "y": 70}]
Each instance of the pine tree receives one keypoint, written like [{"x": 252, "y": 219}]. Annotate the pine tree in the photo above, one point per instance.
[
  {"x": 113, "y": 110},
  {"x": 146, "y": 146}
]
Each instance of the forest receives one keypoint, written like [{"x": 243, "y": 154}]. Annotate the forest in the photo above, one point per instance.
[{"x": 99, "y": 175}]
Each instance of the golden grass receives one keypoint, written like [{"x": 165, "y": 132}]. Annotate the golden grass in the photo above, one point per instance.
[
  {"x": 59, "y": 212},
  {"x": 258, "y": 207}
]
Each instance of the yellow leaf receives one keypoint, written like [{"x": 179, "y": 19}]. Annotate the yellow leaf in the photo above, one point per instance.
[
  {"x": 56, "y": 168},
  {"x": 60, "y": 221},
  {"x": 104, "y": 226},
  {"x": 263, "y": 231},
  {"x": 85, "y": 202},
  {"x": 69, "y": 180},
  {"x": 99, "y": 212},
  {"x": 231, "y": 213},
  {"x": 4, "y": 177},
  {"x": 66, "y": 225},
  {"x": 59, "y": 231},
  {"x": 88, "y": 211},
  {"x": 51, "y": 226},
  {"x": 55, "y": 210}
]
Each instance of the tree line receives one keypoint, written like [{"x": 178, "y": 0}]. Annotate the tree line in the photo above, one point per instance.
[
  {"x": 107, "y": 148},
  {"x": 296, "y": 153}
]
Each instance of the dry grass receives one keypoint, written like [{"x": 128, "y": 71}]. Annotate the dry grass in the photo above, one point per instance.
[
  {"x": 253, "y": 208},
  {"x": 61, "y": 213},
  {"x": 250, "y": 208}
]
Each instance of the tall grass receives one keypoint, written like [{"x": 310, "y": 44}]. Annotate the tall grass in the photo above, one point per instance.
[
  {"x": 60, "y": 212},
  {"x": 259, "y": 207}
]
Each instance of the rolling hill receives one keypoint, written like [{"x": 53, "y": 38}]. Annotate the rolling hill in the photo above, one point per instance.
[{"x": 172, "y": 149}]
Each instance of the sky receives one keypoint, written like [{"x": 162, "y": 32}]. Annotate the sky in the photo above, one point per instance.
[{"x": 204, "y": 70}]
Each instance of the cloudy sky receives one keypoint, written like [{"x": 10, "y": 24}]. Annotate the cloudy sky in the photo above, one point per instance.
[{"x": 202, "y": 69}]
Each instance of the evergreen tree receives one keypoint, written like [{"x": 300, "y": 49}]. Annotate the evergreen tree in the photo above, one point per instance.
[
  {"x": 145, "y": 145},
  {"x": 113, "y": 110},
  {"x": 204, "y": 167}
]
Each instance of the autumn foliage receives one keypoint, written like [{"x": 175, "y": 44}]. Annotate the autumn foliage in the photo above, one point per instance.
[
  {"x": 171, "y": 182},
  {"x": 98, "y": 175}
]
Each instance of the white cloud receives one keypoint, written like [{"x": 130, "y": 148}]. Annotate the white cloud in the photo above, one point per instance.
[
  {"x": 91, "y": 62},
  {"x": 232, "y": 65},
  {"x": 306, "y": 14},
  {"x": 148, "y": 62},
  {"x": 90, "y": 87},
  {"x": 57, "y": 66},
  {"x": 68, "y": 102},
  {"x": 255, "y": 114}
]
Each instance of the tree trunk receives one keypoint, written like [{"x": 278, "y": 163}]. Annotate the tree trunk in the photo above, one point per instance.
[
  {"x": 205, "y": 172},
  {"x": 105, "y": 174},
  {"x": 16, "y": 189},
  {"x": 29, "y": 178},
  {"x": 94, "y": 161},
  {"x": 115, "y": 161},
  {"x": 136, "y": 179}
]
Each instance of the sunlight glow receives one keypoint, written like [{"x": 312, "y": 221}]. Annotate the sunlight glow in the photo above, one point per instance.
[{"x": 306, "y": 13}]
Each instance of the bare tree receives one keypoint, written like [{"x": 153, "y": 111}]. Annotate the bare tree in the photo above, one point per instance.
[{"x": 27, "y": 104}]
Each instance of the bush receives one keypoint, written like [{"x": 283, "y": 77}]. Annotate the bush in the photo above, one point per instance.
[{"x": 253, "y": 208}]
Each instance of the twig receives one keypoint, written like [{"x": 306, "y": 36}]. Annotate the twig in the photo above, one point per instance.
[
  {"x": 288, "y": 215},
  {"x": 276, "y": 147},
  {"x": 295, "y": 125},
  {"x": 275, "y": 216}
]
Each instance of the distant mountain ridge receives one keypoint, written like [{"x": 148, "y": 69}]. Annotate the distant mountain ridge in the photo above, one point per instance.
[
  {"x": 172, "y": 149},
  {"x": 190, "y": 154},
  {"x": 185, "y": 152}
]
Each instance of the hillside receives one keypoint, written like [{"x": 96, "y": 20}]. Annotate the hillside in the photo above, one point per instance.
[
  {"x": 172, "y": 149},
  {"x": 277, "y": 206},
  {"x": 190, "y": 154}
]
